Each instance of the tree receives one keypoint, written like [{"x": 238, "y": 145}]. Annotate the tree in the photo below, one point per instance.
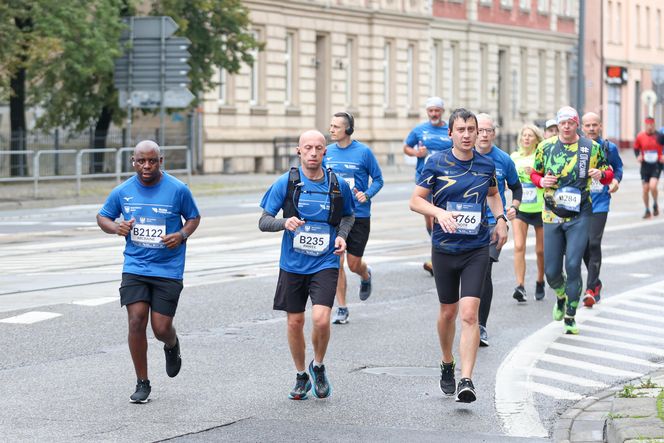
[{"x": 59, "y": 56}]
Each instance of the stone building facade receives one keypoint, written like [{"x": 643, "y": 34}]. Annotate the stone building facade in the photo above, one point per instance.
[{"x": 380, "y": 60}]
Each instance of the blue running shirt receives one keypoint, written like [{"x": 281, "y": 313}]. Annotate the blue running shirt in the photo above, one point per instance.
[
  {"x": 355, "y": 164},
  {"x": 434, "y": 138},
  {"x": 599, "y": 193},
  {"x": 505, "y": 172},
  {"x": 459, "y": 185},
  {"x": 314, "y": 209},
  {"x": 158, "y": 210}
]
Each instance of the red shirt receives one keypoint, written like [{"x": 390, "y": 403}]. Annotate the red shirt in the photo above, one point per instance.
[{"x": 648, "y": 142}]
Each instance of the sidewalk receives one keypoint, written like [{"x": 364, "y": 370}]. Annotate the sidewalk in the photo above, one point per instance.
[
  {"x": 63, "y": 192},
  {"x": 630, "y": 412}
]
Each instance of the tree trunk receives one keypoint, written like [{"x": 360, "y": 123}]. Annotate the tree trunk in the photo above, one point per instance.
[
  {"x": 101, "y": 133},
  {"x": 18, "y": 162}
]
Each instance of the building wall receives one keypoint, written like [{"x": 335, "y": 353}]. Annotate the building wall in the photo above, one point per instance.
[{"x": 380, "y": 60}]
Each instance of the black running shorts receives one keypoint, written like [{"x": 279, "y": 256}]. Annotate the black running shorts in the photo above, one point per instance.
[
  {"x": 459, "y": 275},
  {"x": 530, "y": 218},
  {"x": 294, "y": 289},
  {"x": 162, "y": 294},
  {"x": 650, "y": 170},
  {"x": 358, "y": 236}
]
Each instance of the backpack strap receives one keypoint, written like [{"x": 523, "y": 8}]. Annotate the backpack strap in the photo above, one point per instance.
[{"x": 289, "y": 207}]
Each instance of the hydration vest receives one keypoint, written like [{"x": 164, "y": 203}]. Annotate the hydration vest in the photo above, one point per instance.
[{"x": 289, "y": 207}]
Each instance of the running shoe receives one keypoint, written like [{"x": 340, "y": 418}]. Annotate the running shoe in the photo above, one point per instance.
[
  {"x": 365, "y": 286},
  {"x": 302, "y": 386},
  {"x": 570, "y": 326},
  {"x": 589, "y": 298},
  {"x": 559, "y": 308},
  {"x": 142, "y": 392},
  {"x": 428, "y": 267},
  {"x": 484, "y": 337},
  {"x": 173, "y": 360},
  {"x": 539, "y": 290},
  {"x": 321, "y": 386},
  {"x": 466, "y": 391},
  {"x": 341, "y": 316},
  {"x": 598, "y": 288},
  {"x": 447, "y": 382},
  {"x": 655, "y": 210},
  {"x": 647, "y": 214},
  {"x": 519, "y": 294}
]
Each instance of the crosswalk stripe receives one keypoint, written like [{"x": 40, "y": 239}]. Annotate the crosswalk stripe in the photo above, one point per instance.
[
  {"x": 615, "y": 344},
  {"x": 551, "y": 391},
  {"x": 566, "y": 378},
  {"x": 634, "y": 257},
  {"x": 622, "y": 333},
  {"x": 95, "y": 301},
  {"x": 585, "y": 366},
  {"x": 626, "y": 324},
  {"x": 648, "y": 306},
  {"x": 639, "y": 315},
  {"x": 601, "y": 354},
  {"x": 30, "y": 317},
  {"x": 651, "y": 297}
]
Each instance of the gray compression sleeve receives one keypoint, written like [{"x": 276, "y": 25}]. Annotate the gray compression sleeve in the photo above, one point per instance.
[
  {"x": 268, "y": 223},
  {"x": 345, "y": 225}
]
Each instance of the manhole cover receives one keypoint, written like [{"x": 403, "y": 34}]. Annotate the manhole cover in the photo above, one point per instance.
[{"x": 404, "y": 371}]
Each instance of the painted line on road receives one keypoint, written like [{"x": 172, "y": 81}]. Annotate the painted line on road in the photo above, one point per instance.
[
  {"x": 95, "y": 301},
  {"x": 634, "y": 257},
  {"x": 601, "y": 354},
  {"x": 633, "y": 314},
  {"x": 515, "y": 404},
  {"x": 615, "y": 343},
  {"x": 566, "y": 377},
  {"x": 551, "y": 391},
  {"x": 650, "y": 297},
  {"x": 621, "y": 333},
  {"x": 648, "y": 306},
  {"x": 592, "y": 367},
  {"x": 30, "y": 317}
]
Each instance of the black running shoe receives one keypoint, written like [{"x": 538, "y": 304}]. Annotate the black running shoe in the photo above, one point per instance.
[
  {"x": 466, "y": 391},
  {"x": 539, "y": 290},
  {"x": 321, "y": 386},
  {"x": 447, "y": 382},
  {"x": 365, "y": 286},
  {"x": 519, "y": 294},
  {"x": 302, "y": 387},
  {"x": 173, "y": 360},
  {"x": 142, "y": 392}
]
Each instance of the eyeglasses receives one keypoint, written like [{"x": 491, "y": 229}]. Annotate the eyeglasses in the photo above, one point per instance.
[
  {"x": 485, "y": 131},
  {"x": 150, "y": 161}
]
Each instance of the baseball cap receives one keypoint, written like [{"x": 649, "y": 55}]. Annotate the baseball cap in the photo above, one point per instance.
[
  {"x": 649, "y": 120},
  {"x": 550, "y": 122},
  {"x": 567, "y": 113},
  {"x": 434, "y": 102}
]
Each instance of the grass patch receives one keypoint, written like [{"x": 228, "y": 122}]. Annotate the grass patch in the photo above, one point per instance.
[
  {"x": 660, "y": 405},
  {"x": 627, "y": 392},
  {"x": 648, "y": 384}
]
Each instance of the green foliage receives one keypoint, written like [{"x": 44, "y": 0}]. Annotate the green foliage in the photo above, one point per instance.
[
  {"x": 627, "y": 392},
  {"x": 219, "y": 34},
  {"x": 648, "y": 384}
]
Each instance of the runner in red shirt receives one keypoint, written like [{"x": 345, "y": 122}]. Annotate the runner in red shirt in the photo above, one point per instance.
[{"x": 649, "y": 153}]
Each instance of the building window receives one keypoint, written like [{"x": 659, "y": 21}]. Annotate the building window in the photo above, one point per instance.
[
  {"x": 388, "y": 74},
  {"x": 542, "y": 89},
  {"x": 506, "y": 4},
  {"x": 609, "y": 20},
  {"x": 411, "y": 76},
  {"x": 557, "y": 86},
  {"x": 648, "y": 34},
  {"x": 488, "y": 3},
  {"x": 255, "y": 73},
  {"x": 524, "y": 5},
  {"x": 612, "y": 126},
  {"x": 570, "y": 8},
  {"x": 543, "y": 6},
  {"x": 351, "y": 72},
  {"x": 223, "y": 87},
  {"x": 453, "y": 70},
  {"x": 618, "y": 28},
  {"x": 435, "y": 64},
  {"x": 638, "y": 29},
  {"x": 482, "y": 67},
  {"x": 658, "y": 29},
  {"x": 523, "y": 99}
]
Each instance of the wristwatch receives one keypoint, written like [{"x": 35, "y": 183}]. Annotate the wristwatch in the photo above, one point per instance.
[
  {"x": 183, "y": 234},
  {"x": 501, "y": 216}
]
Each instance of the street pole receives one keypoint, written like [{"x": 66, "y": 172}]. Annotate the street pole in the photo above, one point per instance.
[
  {"x": 580, "y": 83},
  {"x": 162, "y": 77}
]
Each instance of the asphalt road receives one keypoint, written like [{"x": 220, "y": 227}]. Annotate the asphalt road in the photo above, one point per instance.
[{"x": 66, "y": 374}]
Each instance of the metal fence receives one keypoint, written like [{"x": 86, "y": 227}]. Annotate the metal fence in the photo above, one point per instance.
[{"x": 42, "y": 164}]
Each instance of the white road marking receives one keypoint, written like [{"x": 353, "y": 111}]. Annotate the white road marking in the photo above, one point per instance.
[
  {"x": 566, "y": 377},
  {"x": 655, "y": 298},
  {"x": 633, "y": 314},
  {"x": 621, "y": 333},
  {"x": 637, "y": 275},
  {"x": 577, "y": 365},
  {"x": 628, "y": 324},
  {"x": 95, "y": 301},
  {"x": 648, "y": 306},
  {"x": 615, "y": 343},
  {"x": 634, "y": 257},
  {"x": 551, "y": 391},
  {"x": 601, "y": 354},
  {"x": 30, "y": 317}
]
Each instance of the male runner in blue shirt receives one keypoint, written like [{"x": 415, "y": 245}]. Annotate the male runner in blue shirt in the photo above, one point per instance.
[
  {"x": 424, "y": 140},
  {"x": 317, "y": 209},
  {"x": 601, "y": 199},
  {"x": 151, "y": 206},
  {"x": 355, "y": 163},
  {"x": 460, "y": 242}
]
